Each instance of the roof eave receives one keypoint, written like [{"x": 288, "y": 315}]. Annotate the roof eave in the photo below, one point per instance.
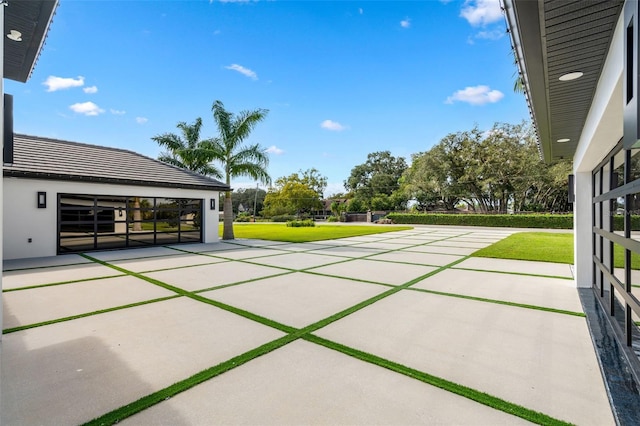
[
  {"x": 92, "y": 179},
  {"x": 523, "y": 20}
]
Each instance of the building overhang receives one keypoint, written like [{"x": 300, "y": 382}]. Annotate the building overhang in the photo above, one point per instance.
[
  {"x": 553, "y": 38},
  {"x": 26, "y": 23}
]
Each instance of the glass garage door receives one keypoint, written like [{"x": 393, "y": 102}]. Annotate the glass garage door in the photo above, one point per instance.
[{"x": 98, "y": 222}]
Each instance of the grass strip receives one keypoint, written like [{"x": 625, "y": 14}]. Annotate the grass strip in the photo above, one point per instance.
[
  {"x": 294, "y": 334},
  {"x": 500, "y": 302},
  {"x": 250, "y": 280},
  {"x": 191, "y": 295},
  {"x": 147, "y": 401},
  {"x": 32, "y": 268},
  {"x": 526, "y": 274},
  {"x": 29, "y": 287},
  {"x": 337, "y": 316},
  {"x": 87, "y": 314},
  {"x": 340, "y": 277},
  {"x": 449, "y": 386}
]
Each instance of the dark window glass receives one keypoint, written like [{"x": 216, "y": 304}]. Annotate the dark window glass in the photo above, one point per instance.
[
  {"x": 111, "y": 242},
  {"x": 617, "y": 177},
  {"x": 119, "y": 222},
  {"x": 76, "y": 244},
  {"x": 141, "y": 239}
]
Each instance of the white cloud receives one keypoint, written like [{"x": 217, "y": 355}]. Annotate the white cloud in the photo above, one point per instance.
[
  {"x": 476, "y": 95},
  {"x": 405, "y": 23},
  {"x": 334, "y": 188},
  {"x": 54, "y": 83},
  {"x": 481, "y": 12},
  {"x": 86, "y": 108},
  {"x": 90, "y": 89},
  {"x": 333, "y": 125},
  {"x": 274, "y": 150},
  {"x": 141, "y": 120},
  {"x": 117, "y": 112},
  {"x": 242, "y": 70},
  {"x": 494, "y": 34}
]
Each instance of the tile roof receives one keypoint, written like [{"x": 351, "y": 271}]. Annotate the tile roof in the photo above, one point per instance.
[{"x": 44, "y": 158}]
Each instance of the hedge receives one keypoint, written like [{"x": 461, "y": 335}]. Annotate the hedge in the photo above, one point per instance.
[{"x": 547, "y": 221}]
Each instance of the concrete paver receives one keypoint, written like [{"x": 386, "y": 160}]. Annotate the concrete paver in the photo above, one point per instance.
[
  {"x": 54, "y": 274},
  {"x": 296, "y": 299},
  {"x": 71, "y": 372},
  {"x": 517, "y": 266},
  {"x": 299, "y": 260},
  {"x": 375, "y": 271},
  {"x": 463, "y": 244},
  {"x": 41, "y": 262},
  {"x": 432, "y": 259},
  {"x": 249, "y": 252},
  {"x": 48, "y": 303},
  {"x": 209, "y": 276},
  {"x": 540, "y": 360},
  {"x": 109, "y": 256},
  {"x": 348, "y": 251},
  {"x": 165, "y": 262},
  {"x": 442, "y": 250},
  {"x": 557, "y": 293},
  {"x": 306, "y": 384}
]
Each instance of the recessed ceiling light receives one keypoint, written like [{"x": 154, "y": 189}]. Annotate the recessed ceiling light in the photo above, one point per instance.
[
  {"x": 571, "y": 76},
  {"x": 15, "y": 35},
  {"x": 563, "y": 140}
]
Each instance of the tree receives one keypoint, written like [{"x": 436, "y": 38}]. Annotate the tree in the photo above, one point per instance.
[
  {"x": 295, "y": 194},
  {"x": 489, "y": 171},
  {"x": 247, "y": 197},
  {"x": 188, "y": 151},
  {"x": 237, "y": 159},
  {"x": 378, "y": 177}
]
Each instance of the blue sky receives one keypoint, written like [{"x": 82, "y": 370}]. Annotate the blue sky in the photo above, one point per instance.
[{"x": 340, "y": 79}]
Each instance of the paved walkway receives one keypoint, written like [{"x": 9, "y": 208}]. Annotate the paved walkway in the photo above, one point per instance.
[{"x": 396, "y": 328}]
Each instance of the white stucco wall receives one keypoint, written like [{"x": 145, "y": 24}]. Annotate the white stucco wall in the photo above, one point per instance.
[
  {"x": 602, "y": 131},
  {"x": 23, "y": 220}
]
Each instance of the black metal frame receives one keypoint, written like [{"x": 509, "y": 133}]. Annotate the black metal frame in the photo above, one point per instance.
[
  {"x": 101, "y": 222},
  {"x": 613, "y": 289}
]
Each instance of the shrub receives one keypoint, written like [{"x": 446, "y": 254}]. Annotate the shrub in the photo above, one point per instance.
[
  {"x": 548, "y": 221},
  {"x": 283, "y": 218},
  {"x": 332, "y": 219},
  {"x": 301, "y": 223},
  {"x": 243, "y": 217}
]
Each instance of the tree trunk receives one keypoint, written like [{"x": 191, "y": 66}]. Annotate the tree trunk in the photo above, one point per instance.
[
  {"x": 227, "y": 231},
  {"x": 137, "y": 216}
]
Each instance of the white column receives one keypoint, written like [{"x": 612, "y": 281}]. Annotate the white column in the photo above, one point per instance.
[
  {"x": 2, "y": 6},
  {"x": 582, "y": 229}
]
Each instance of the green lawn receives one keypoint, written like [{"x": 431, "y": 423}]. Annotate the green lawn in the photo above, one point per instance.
[
  {"x": 540, "y": 246},
  {"x": 545, "y": 247},
  {"x": 280, "y": 232}
]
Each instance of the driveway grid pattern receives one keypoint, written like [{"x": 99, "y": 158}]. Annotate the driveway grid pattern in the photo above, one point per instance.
[{"x": 396, "y": 328}]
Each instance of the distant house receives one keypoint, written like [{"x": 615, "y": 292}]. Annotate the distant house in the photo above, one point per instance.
[{"x": 64, "y": 197}]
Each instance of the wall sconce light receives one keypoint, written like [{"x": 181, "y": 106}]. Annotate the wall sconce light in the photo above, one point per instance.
[
  {"x": 212, "y": 204},
  {"x": 42, "y": 200},
  {"x": 119, "y": 211},
  {"x": 572, "y": 189}
]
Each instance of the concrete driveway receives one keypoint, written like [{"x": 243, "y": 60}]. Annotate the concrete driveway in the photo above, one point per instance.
[{"x": 395, "y": 328}]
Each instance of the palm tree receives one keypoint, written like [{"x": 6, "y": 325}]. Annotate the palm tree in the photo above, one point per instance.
[
  {"x": 237, "y": 159},
  {"x": 188, "y": 151}
]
